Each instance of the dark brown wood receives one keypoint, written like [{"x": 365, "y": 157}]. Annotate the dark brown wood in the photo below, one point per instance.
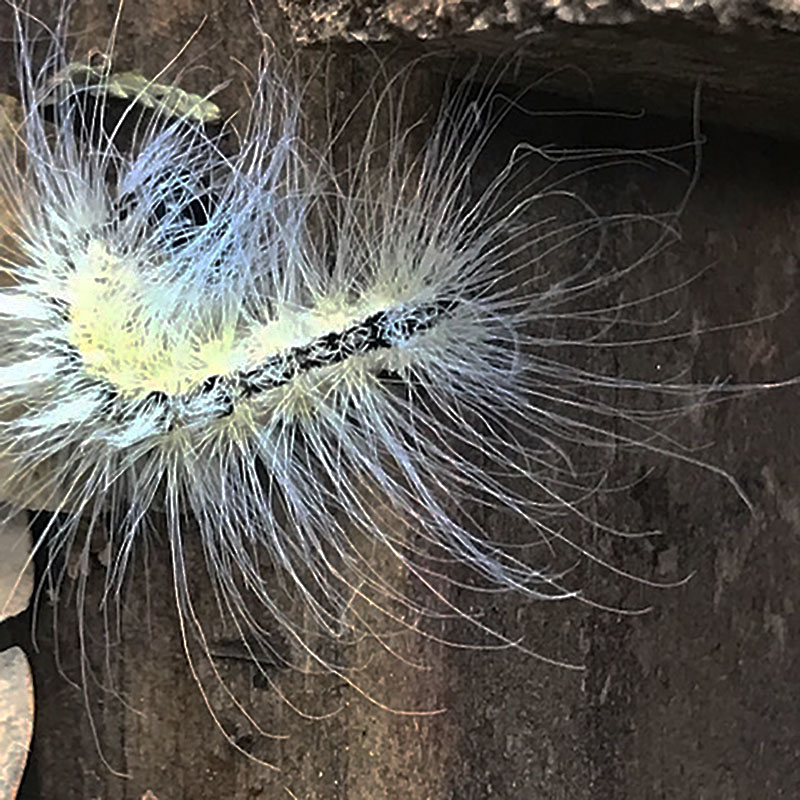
[
  {"x": 695, "y": 699},
  {"x": 627, "y": 53}
]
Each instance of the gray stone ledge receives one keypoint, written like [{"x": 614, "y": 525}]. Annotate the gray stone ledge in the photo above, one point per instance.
[{"x": 384, "y": 20}]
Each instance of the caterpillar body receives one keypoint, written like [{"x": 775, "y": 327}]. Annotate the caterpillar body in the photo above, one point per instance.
[{"x": 252, "y": 349}]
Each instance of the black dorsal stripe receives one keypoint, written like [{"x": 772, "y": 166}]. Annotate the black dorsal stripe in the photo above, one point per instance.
[
  {"x": 379, "y": 331},
  {"x": 221, "y": 393}
]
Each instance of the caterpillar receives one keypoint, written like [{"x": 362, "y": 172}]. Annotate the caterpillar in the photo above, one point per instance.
[{"x": 297, "y": 364}]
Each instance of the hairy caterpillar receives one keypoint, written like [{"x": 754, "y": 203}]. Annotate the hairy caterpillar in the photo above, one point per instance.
[{"x": 289, "y": 363}]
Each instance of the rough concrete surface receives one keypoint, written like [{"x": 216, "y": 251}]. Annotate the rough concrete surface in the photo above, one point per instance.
[
  {"x": 695, "y": 699},
  {"x": 16, "y": 718},
  {"x": 16, "y": 571}
]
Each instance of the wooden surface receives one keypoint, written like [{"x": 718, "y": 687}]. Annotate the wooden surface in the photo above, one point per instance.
[
  {"x": 695, "y": 699},
  {"x": 631, "y": 53}
]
